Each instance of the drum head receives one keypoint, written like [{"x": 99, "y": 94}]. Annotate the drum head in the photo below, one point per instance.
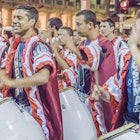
[
  {"x": 16, "y": 124},
  {"x": 77, "y": 121}
]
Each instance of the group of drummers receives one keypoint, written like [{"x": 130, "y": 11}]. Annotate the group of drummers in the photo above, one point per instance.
[{"x": 103, "y": 68}]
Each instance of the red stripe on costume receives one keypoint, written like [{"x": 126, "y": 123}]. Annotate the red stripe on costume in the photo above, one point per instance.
[
  {"x": 113, "y": 102},
  {"x": 94, "y": 115},
  {"x": 90, "y": 58},
  {"x": 42, "y": 56},
  {"x": 66, "y": 79},
  {"x": 70, "y": 62},
  {"x": 60, "y": 85},
  {"x": 41, "y": 65}
]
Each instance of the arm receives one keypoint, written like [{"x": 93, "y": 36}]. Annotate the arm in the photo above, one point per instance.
[
  {"x": 114, "y": 88},
  {"x": 100, "y": 93},
  {"x": 39, "y": 78},
  {"x": 62, "y": 63},
  {"x": 70, "y": 44}
]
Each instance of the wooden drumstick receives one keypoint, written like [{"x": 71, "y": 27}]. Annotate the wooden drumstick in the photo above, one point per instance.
[
  {"x": 97, "y": 83},
  {"x": 96, "y": 79}
]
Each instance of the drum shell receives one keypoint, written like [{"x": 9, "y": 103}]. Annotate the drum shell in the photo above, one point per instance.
[
  {"x": 17, "y": 124},
  {"x": 77, "y": 121},
  {"x": 128, "y": 131},
  {"x": 128, "y": 136}
]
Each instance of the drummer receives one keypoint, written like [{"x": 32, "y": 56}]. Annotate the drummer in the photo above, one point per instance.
[
  {"x": 66, "y": 59},
  {"x": 95, "y": 54},
  {"x": 132, "y": 75},
  {"x": 30, "y": 74},
  {"x": 122, "y": 56}
]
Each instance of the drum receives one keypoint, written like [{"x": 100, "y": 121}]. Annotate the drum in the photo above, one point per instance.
[
  {"x": 77, "y": 121},
  {"x": 17, "y": 124},
  {"x": 126, "y": 132}
]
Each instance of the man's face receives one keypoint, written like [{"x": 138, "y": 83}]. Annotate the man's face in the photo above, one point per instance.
[
  {"x": 63, "y": 35},
  {"x": 82, "y": 26},
  {"x": 105, "y": 29},
  {"x": 21, "y": 22}
]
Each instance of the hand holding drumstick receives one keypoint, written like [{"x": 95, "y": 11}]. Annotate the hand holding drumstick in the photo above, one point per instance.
[{"x": 99, "y": 93}]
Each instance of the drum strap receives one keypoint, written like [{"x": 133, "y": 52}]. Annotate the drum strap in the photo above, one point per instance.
[
  {"x": 19, "y": 93},
  {"x": 17, "y": 69},
  {"x": 139, "y": 119}
]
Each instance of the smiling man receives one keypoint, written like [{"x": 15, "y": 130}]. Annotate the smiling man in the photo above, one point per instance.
[{"x": 30, "y": 76}]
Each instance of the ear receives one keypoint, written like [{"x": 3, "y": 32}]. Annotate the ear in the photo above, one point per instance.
[
  {"x": 91, "y": 24},
  {"x": 32, "y": 21},
  {"x": 113, "y": 28}
]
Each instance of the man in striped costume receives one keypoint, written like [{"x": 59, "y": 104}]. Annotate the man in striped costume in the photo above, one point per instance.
[{"x": 30, "y": 74}]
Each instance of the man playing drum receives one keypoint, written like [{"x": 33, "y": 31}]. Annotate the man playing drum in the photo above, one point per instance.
[
  {"x": 30, "y": 74},
  {"x": 131, "y": 80},
  {"x": 95, "y": 54}
]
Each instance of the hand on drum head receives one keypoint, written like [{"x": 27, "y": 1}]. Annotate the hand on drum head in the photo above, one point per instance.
[{"x": 99, "y": 93}]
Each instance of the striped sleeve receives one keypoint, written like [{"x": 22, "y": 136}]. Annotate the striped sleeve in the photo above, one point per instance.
[
  {"x": 91, "y": 56},
  {"x": 3, "y": 53},
  {"x": 42, "y": 57},
  {"x": 115, "y": 85},
  {"x": 70, "y": 74}
]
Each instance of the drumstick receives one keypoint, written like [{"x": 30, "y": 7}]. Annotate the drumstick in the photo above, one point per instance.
[
  {"x": 96, "y": 78},
  {"x": 139, "y": 120}
]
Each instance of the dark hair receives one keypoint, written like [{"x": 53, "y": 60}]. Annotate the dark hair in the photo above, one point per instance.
[
  {"x": 75, "y": 30},
  {"x": 32, "y": 11},
  {"x": 68, "y": 29},
  {"x": 89, "y": 16},
  {"x": 98, "y": 23},
  {"x": 110, "y": 22},
  {"x": 9, "y": 34},
  {"x": 55, "y": 21},
  {"x": 36, "y": 30}
]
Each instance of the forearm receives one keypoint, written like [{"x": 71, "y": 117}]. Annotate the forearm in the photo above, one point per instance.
[
  {"x": 61, "y": 62},
  {"x": 74, "y": 49},
  {"x": 37, "y": 79}
]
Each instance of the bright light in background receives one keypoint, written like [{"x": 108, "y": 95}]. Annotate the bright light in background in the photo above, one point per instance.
[
  {"x": 42, "y": 20},
  {"x": 4, "y": 16}
]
